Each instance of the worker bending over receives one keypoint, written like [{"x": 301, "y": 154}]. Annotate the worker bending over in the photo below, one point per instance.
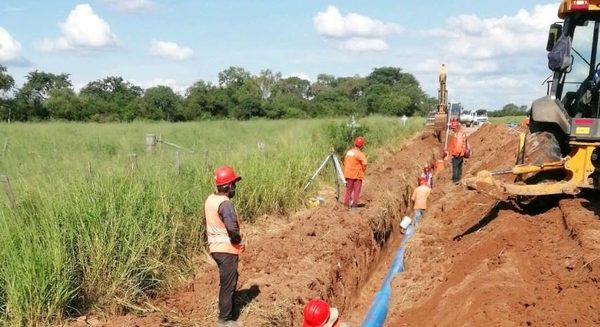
[
  {"x": 224, "y": 238},
  {"x": 419, "y": 199},
  {"x": 355, "y": 164}
]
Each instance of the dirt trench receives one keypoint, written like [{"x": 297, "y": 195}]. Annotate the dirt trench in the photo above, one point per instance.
[
  {"x": 473, "y": 261},
  {"x": 325, "y": 252}
]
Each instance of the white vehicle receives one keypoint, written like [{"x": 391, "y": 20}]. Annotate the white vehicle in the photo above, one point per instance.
[
  {"x": 467, "y": 118},
  {"x": 481, "y": 117}
]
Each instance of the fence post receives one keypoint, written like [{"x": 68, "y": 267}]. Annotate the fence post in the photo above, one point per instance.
[
  {"x": 88, "y": 169},
  {"x": 150, "y": 142},
  {"x": 10, "y": 198},
  {"x": 132, "y": 163},
  {"x": 176, "y": 162}
]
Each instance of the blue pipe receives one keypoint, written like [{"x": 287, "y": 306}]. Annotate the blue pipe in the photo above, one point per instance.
[{"x": 380, "y": 305}]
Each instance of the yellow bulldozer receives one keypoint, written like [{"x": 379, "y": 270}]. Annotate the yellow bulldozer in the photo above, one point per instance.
[{"x": 560, "y": 154}]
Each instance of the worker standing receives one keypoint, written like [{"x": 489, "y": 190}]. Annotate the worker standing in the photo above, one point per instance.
[
  {"x": 224, "y": 238},
  {"x": 459, "y": 149},
  {"x": 317, "y": 313},
  {"x": 428, "y": 175},
  {"x": 355, "y": 164},
  {"x": 419, "y": 199}
]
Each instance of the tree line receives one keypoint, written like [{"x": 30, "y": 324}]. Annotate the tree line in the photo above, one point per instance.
[{"x": 238, "y": 95}]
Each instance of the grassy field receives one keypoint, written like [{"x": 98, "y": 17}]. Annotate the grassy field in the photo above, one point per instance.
[
  {"x": 90, "y": 233},
  {"x": 507, "y": 119}
]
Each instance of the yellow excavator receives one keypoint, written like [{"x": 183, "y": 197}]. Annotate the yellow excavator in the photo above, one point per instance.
[
  {"x": 560, "y": 154},
  {"x": 440, "y": 118}
]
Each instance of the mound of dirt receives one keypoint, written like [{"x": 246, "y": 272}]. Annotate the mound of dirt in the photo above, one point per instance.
[{"x": 478, "y": 262}]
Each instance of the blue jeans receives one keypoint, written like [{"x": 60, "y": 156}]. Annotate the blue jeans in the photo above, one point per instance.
[{"x": 418, "y": 214}]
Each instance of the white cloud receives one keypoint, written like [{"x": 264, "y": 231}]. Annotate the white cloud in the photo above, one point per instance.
[
  {"x": 332, "y": 23},
  {"x": 364, "y": 44},
  {"x": 170, "y": 50},
  {"x": 479, "y": 38},
  {"x": 10, "y": 48},
  {"x": 131, "y": 6},
  {"x": 356, "y": 32},
  {"x": 490, "y": 61},
  {"x": 82, "y": 30}
]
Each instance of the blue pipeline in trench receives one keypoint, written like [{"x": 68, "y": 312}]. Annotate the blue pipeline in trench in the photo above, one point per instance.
[{"x": 380, "y": 305}]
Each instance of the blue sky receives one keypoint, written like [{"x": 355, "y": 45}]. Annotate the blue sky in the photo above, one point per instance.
[{"x": 494, "y": 50}]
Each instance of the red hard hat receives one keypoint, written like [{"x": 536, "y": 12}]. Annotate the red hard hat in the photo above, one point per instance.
[
  {"x": 359, "y": 142},
  {"x": 422, "y": 180},
  {"x": 316, "y": 313},
  {"x": 225, "y": 175}
]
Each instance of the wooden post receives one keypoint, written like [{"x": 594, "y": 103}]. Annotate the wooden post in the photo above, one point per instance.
[
  {"x": 132, "y": 162},
  {"x": 88, "y": 169},
  {"x": 150, "y": 142},
  {"x": 10, "y": 198},
  {"x": 176, "y": 162},
  {"x": 5, "y": 147}
]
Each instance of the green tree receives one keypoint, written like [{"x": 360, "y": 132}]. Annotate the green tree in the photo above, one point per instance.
[
  {"x": 6, "y": 84},
  {"x": 30, "y": 99},
  {"x": 160, "y": 102},
  {"x": 111, "y": 99},
  {"x": 233, "y": 77},
  {"x": 63, "y": 103},
  {"x": 203, "y": 100}
]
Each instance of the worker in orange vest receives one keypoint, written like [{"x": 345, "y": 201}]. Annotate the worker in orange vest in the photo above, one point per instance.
[
  {"x": 355, "y": 164},
  {"x": 225, "y": 239},
  {"x": 419, "y": 199},
  {"x": 526, "y": 121},
  {"x": 317, "y": 313},
  {"x": 459, "y": 150}
]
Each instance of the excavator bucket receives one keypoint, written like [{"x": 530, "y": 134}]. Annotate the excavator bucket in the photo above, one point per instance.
[{"x": 576, "y": 168}]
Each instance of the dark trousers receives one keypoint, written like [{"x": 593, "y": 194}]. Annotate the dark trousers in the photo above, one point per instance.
[
  {"x": 457, "y": 163},
  {"x": 228, "y": 276},
  {"x": 353, "y": 187}
]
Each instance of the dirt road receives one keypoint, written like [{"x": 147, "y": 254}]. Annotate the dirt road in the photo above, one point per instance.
[{"x": 472, "y": 261}]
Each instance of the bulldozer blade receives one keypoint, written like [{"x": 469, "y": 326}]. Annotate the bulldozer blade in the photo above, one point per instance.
[{"x": 485, "y": 182}]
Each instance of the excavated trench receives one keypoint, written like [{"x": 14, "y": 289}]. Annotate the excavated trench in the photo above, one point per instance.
[
  {"x": 327, "y": 252},
  {"x": 471, "y": 260}
]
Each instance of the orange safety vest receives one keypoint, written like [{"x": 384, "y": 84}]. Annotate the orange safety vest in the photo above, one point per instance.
[
  {"x": 216, "y": 233},
  {"x": 419, "y": 197},
  {"x": 355, "y": 164},
  {"x": 458, "y": 144}
]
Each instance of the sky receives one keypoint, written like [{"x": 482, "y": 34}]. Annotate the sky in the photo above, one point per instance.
[{"x": 494, "y": 51}]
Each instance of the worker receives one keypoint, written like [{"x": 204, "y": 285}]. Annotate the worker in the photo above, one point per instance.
[
  {"x": 526, "y": 121},
  {"x": 225, "y": 239},
  {"x": 419, "y": 199},
  {"x": 459, "y": 150},
  {"x": 428, "y": 175},
  {"x": 317, "y": 313},
  {"x": 355, "y": 164}
]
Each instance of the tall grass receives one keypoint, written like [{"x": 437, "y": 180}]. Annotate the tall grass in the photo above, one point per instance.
[{"x": 102, "y": 241}]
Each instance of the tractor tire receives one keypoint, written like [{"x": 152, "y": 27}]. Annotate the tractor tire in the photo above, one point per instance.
[{"x": 540, "y": 148}]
